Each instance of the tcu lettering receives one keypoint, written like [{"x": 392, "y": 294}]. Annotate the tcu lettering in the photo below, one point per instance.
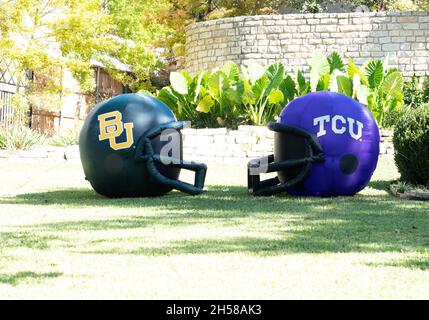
[
  {"x": 339, "y": 125},
  {"x": 111, "y": 127}
]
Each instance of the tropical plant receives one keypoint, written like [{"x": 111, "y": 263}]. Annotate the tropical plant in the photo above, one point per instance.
[
  {"x": 19, "y": 137},
  {"x": 228, "y": 98},
  {"x": 208, "y": 99},
  {"x": 257, "y": 94},
  {"x": 264, "y": 92},
  {"x": 372, "y": 84}
]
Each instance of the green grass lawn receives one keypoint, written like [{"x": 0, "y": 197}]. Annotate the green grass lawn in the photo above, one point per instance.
[{"x": 59, "y": 239}]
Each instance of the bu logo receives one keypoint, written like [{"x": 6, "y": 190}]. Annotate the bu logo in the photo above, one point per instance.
[{"x": 111, "y": 127}]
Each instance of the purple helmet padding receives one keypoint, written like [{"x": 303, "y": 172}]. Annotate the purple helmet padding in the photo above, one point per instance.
[{"x": 339, "y": 136}]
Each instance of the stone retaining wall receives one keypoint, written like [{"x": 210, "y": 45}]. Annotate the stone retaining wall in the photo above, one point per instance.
[
  {"x": 211, "y": 145},
  {"x": 292, "y": 38},
  {"x": 248, "y": 142}
]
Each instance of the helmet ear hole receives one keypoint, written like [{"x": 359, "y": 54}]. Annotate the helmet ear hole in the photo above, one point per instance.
[
  {"x": 289, "y": 146},
  {"x": 348, "y": 163}
]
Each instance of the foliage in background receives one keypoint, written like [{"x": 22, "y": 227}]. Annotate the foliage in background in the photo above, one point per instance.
[
  {"x": 265, "y": 92},
  {"x": 68, "y": 137},
  {"x": 47, "y": 36},
  {"x": 257, "y": 94},
  {"x": 210, "y": 99},
  {"x": 372, "y": 84},
  {"x": 414, "y": 95},
  {"x": 20, "y": 105},
  {"x": 19, "y": 137},
  {"x": 411, "y": 142},
  {"x": 227, "y": 97}
]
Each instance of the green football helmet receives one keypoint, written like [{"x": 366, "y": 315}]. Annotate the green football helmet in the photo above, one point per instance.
[{"x": 131, "y": 146}]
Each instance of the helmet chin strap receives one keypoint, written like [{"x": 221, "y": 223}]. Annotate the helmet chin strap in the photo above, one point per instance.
[
  {"x": 266, "y": 164},
  {"x": 145, "y": 154}
]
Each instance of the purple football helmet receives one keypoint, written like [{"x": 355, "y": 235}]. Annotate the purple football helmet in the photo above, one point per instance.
[{"x": 325, "y": 144}]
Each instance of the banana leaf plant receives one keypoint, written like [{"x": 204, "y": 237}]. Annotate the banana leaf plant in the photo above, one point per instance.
[
  {"x": 182, "y": 96},
  {"x": 372, "y": 84},
  {"x": 226, "y": 97},
  {"x": 265, "y": 92}
]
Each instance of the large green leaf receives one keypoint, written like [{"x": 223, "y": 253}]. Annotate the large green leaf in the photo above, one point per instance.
[
  {"x": 275, "y": 70},
  {"x": 197, "y": 84},
  {"x": 275, "y": 96},
  {"x": 353, "y": 69},
  {"x": 167, "y": 96},
  {"x": 217, "y": 83},
  {"x": 230, "y": 69},
  {"x": 392, "y": 85},
  {"x": 288, "y": 88},
  {"x": 303, "y": 86},
  {"x": 260, "y": 87},
  {"x": 374, "y": 73},
  {"x": 362, "y": 94},
  {"x": 319, "y": 66},
  {"x": 360, "y": 91},
  {"x": 323, "y": 83},
  {"x": 335, "y": 62},
  {"x": 179, "y": 82},
  {"x": 187, "y": 76},
  {"x": 333, "y": 84},
  {"x": 247, "y": 96},
  {"x": 275, "y": 74},
  {"x": 205, "y": 104},
  {"x": 344, "y": 85},
  {"x": 232, "y": 97}
]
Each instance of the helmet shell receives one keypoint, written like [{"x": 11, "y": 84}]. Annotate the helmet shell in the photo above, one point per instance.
[
  {"x": 349, "y": 137},
  {"x": 116, "y": 173}
]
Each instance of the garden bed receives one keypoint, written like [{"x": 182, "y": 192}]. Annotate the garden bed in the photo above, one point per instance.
[
  {"x": 409, "y": 192},
  {"x": 43, "y": 152}
]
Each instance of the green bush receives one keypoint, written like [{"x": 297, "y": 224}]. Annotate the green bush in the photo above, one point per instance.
[
  {"x": 229, "y": 96},
  {"x": 19, "y": 138},
  {"x": 411, "y": 142},
  {"x": 392, "y": 117},
  {"x": 413, "y": 95},
  {"x": 68, "y": 138}
]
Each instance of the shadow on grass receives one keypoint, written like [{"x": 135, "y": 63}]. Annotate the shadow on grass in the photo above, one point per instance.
[
  {"x": 26, "y": 240},
  {"x": 284, "y": 224},
  {"x": 14, "y": 279},
  {"x": 413, "y": 263},
  {"x": 382, "y": 185}
]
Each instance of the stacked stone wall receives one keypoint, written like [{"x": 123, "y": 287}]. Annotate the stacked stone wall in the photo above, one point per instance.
[{"x": 292, "y": 39}]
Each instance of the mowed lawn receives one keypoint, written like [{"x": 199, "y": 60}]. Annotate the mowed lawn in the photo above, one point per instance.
[{"x": 59, "y": 239}]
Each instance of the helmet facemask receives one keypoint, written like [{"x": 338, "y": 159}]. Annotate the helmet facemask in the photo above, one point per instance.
[
  {"x": 295, "y": 152},
  {"x": 160, "y": 150}
]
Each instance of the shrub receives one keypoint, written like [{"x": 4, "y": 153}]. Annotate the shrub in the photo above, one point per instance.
[
  {"x": 413, "y": 95},
  {"x": 68, "y": 138},
  {"x": 411, "y": 142},
  {"x": 392, "y": 117},
  {"x": 19, "y": 138}
]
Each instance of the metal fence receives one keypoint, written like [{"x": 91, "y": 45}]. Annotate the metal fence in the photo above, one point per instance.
[
  {"x": 6, "y": 110},
  {"x": 8, "y": 87}
]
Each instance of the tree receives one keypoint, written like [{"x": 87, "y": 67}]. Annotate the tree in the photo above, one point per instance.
[{"x": 48, "y": 36}]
